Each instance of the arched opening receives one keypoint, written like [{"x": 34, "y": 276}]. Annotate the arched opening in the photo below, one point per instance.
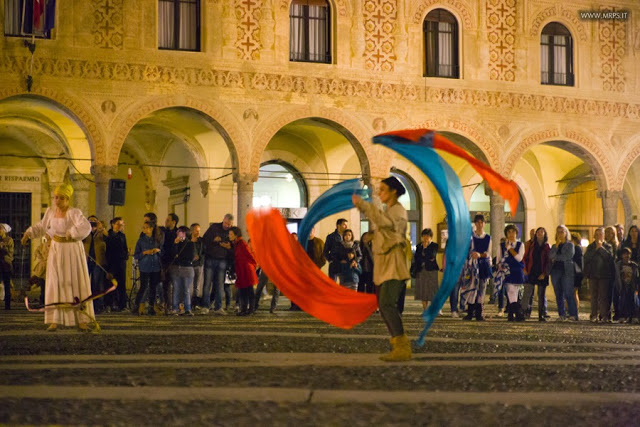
[
  {"x": 318, "y": 153},
  {"x": 282, "y": 186},
  {"x": 567, "y": 179},
  {"x": 41, "y": 144},
  {"x": 180, "y": 163}
]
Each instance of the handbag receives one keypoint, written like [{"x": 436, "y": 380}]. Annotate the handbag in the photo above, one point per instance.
[{"x": 577, "y": 270}]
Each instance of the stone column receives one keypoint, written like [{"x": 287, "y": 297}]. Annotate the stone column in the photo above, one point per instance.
[
  {"x": 496, "y": 220},
  {"x": 81, "y": 185},
  {"x": 245, "y": 199},
  {"x": 610, "y": 206},
  {"x": 101, "y": 176}
]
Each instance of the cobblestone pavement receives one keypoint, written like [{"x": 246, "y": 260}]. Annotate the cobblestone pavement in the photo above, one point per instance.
[{"x": 288, "y": 368}]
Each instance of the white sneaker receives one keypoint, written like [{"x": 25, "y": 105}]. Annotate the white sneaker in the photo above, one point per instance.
[
  {"x": 454, "y": 314},
  {"x": 220, "y": 312}
]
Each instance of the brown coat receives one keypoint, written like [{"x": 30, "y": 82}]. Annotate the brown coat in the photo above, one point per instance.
[
  {"x": 318, "y": 252},
  {"x": 100, "y": 247},
  {"x": 40, "y": 259}
]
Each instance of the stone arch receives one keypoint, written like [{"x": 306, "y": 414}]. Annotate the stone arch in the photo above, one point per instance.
[
  {"x": 483, "y": 141},
  {"x": 628, "y": 158},
  {"x": 467, "y": 17},
  {"x": 354, "y": 132},
  {"x": 78, "y": 110},
  {"x": 222, "y": 119},
  {"x": 557, "y": 13},
  {"x": 585, "y": 147}
]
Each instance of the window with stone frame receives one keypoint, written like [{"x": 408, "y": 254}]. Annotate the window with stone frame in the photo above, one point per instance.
[
  {"x": 441, "y": 44},
  {"x": 29, "y": 18},
  {"x": 310, "y": 31},
  {"x": 556, "y": 55},
  {"x": 179, "y": 25}
]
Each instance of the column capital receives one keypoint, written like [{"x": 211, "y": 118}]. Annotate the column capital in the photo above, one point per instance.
[
  {"x": 102, "y": 173},
  {"x": 610, "y": 194},
  {"x": 243, "y": 179}
]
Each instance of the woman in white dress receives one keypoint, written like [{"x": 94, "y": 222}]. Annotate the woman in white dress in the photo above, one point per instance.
[{"x": 67, "y": 274}]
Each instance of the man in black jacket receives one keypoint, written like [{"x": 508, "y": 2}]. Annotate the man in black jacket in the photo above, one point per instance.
[
  {"x": 117, "y": 256},
  {"x": 170, "y": 231},
  {"x": 218, "y": 258},
  {"x": 331, "y": 247}
]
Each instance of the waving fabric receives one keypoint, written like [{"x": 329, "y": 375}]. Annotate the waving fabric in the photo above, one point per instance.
[
  {"x": 448, "y": 186},
  {"x": 287, "y": 264},
  {"x": 332, "y": 201},
  {"x": 428, "y": 138}
]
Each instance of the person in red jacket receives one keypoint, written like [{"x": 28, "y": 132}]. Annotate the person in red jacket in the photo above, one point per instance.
[
  {"x": 536, "y": 267},
  {"x": 245, "y": 269}
]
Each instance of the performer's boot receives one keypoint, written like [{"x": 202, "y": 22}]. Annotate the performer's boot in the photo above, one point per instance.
[
  {"x": 479, "y": 312},
  {"x": 511, "y": 311},
  {"x": 401, "y": 349},
  {"x": 470, "y": 310},
  {"x": 519, "y": 313}
]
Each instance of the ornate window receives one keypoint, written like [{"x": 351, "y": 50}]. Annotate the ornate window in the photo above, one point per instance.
[
  {"x": 29, "y": 18},
  {"x": 556, "y": 55},
  {"x": 179, "y": 24},
  {"x": 441, "y": 44},
  {"x": 310, "y": 31}
]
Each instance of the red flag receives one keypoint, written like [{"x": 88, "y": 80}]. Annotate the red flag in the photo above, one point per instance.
[
  {"x": 288, "y": 266},
  {"x": 38, "y": 10}
]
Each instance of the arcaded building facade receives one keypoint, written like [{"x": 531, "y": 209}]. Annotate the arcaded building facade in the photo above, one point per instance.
[{"x": 216, "y": 106}]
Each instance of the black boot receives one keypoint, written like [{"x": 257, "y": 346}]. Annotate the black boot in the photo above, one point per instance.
[
  {"x": 519, "y": 313},
  {"x": 542, "y": 316},
  {"x": 510, "y": 310},
  {"x": 479, "y": 312},
  {"x": 470, "y": 311}
]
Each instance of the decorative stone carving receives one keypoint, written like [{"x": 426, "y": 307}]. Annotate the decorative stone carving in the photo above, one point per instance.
[
  {"x": 108, "y": 31},
  {"x": 249, "y": 114},
  {"x": 248, "y": 27},
  {"x": 379, "y": 124},
  {"x": 501, "y": 33},
  {"x": 379, "y": 21},
  {"x": 108, "y": 107},
  {"x": 504, "y": 131},
  {"x": 612, "y": 36}
]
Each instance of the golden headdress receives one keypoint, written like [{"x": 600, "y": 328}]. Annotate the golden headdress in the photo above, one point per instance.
[{"x": 64, "y": 190}]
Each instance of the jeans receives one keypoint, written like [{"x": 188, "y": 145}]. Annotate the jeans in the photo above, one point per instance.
[
  {"x": 97, "y": 285},
  {"x": 148, "y": 282},
  {"x": 542, "y": 298},
  {"x": 563, "y": 288},
  {"x": 182, "y": 282},
  {"x": 388, "y": 295},
  {"x": 214, "y": 272},
  {"x": 262, "y": 282}
]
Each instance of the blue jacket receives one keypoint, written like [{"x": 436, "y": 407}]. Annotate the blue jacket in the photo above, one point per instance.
[
  {"x": 350, "y": 274},
  {"x": 148, "y": 263}
]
